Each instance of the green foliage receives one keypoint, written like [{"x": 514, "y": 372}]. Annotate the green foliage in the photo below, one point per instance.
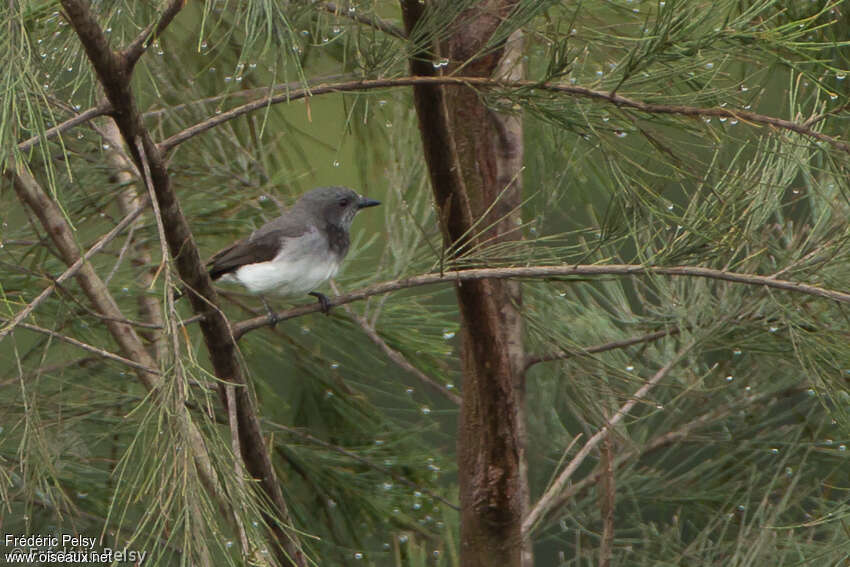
[{"x": 737, "y": 457}]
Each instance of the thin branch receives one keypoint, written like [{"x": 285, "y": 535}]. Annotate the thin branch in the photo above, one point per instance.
[
  {"x": 564, "y": 354},
  {"x": 84, "y": 116},
  {"x": 73, "y": 269},
  {"x": 607, "y": 501},
  {"x": 660, "y": 441},
  {"x": 50, "y": 216},
  {"x": 89, "y": 348},
  {"x": 83, "y": 308},
  {"x": 114, "y": 76},
  {"x": 396, "y": 356},
  {"x": 138, "y": 46},
  {"x": 372, "y": 22},
  {"x": 122, "y": 253},
  {"x": 238, "y": 465},
  {"x": 483, "y": 82},
  {"x": 243, "y": 327},
  {"x": 105, "y": 108},
  {"x": 247, "y": 93},
  {"x": 126, "y": 173},
  {"x": 52, "y": 219},
  {"x": 547, "y": 501},
  {"x": 818, "y": 117},
  {"x": 50, "y": 369}
]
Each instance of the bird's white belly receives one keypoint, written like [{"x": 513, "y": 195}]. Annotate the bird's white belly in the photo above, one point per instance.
[{"x": 286, "y": 277}]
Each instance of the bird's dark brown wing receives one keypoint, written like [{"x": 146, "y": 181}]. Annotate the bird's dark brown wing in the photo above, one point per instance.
[{"x": 261, "y": 246}]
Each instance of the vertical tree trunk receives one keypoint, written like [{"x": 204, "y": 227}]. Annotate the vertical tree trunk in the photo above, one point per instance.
[{"x": 474, "y": 158}]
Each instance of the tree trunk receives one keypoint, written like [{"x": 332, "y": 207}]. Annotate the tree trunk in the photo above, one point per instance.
[{"x": 474, "y": 158}]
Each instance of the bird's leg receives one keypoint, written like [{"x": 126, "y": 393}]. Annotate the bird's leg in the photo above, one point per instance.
[
  {"x": 273, "y": 319},
  {"x": 323, "y": 300}
]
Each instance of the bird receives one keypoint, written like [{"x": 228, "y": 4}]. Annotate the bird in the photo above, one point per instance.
[{"x": 296, "y": 252}]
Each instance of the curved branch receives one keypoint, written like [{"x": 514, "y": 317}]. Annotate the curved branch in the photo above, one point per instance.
[
  {"x": 372, "y": 22},
  {"x": 564, "y": 354},
  {"x": 547, "y": 501},
  {"x": 659, "y": 442},
  {"x": 90, "y": 348},
  {"x": 396, "y": 356},
  {"x": 243, "y": 327},
  {"x": 73, "y": 268},
  {"x": 115, "y": 76},
  {"x": 83, "y": 117},
  {"x": 139, "y": 45},
  {"x": 483, "y": 82}
]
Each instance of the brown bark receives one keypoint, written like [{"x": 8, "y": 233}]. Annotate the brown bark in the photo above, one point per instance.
[
  {"x": 607, "y": 501},
  {"x": 474, "y": 157},
  {"x": 141, "y": 258},
  {"x": 563, "y": 271},
  {"x": 114, "y": 70},
  {"x": 61, "y": 234}
]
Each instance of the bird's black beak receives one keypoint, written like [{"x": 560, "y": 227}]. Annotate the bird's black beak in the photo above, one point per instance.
[{"x": 366, "y": 202}]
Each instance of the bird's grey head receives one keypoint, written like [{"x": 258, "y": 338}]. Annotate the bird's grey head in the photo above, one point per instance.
[{"x": 335, "y": 205}]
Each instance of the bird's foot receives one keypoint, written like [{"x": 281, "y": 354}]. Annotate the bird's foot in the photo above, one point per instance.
[
  {"x": 323, "y": 300},
  {"x": 273, "y": 318}
]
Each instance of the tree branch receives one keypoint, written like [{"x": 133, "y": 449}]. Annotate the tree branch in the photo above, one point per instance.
[
  {"x": 138, "y": 46},
  {"x": 396, "y": 356},
  {"x": 547, "y": 501},
  {"x": 657, "y": 443},
  {"x": 89, "y": 348},
  {"x": 73, "y": 268},
  {"x": 607, "y": 501},
  {"x": 243, "y": 327},
  {"x": 81, "y": 118},
  {"x": 372, "y": 22},
  {"x": 125, "y": 174},
  {"x": 481, "y": 82},
  {"x": 61, "y": 234},
  {"x": 564, "y": 354},
  {"x": 114, "y": 75},
  {"x": 48, "y": 213}
]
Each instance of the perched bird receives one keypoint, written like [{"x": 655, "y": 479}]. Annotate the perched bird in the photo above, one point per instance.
[{"x": 296, "y": 252}]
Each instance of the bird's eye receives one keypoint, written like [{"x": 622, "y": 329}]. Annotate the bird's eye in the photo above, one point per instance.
[{"x": 343, "y": 202}]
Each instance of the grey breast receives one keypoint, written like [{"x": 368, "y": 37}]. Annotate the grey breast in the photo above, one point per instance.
[{"x": 338, "y": 240}]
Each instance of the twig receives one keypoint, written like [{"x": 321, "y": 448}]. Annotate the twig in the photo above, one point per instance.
[
  {"x": 373, "y": 22},
  {"x": 50, "y": 369},
  {"x": 396, "y": 356},
  {"x": 564, "y": 354},
  {"x": 482, "y": 82},
  {"x": 115, "y": 75},
  {"x": 138, "y": 46},
  {"x": 818, "y": 117},
  {"x": 90, "y": 348},
  {"x": 657, "y": 443},
  {"x": 157, "y": 214},
  {"x": 83, "y": 308},
  {"x": 73, "y": 268},
  {"x": 246, "y": 93},
  {"x": 243, "y": 327},
  {"x": 121, "y": 255},
  {"x": 84, "y": 116},
  {"x": 126, "y": 173},
  {"x": 105, "y": 108},
  {"x": 238, "y": 466},
  {"x": 547, "y": 501},
  {"x": 607, "y": 501}
]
